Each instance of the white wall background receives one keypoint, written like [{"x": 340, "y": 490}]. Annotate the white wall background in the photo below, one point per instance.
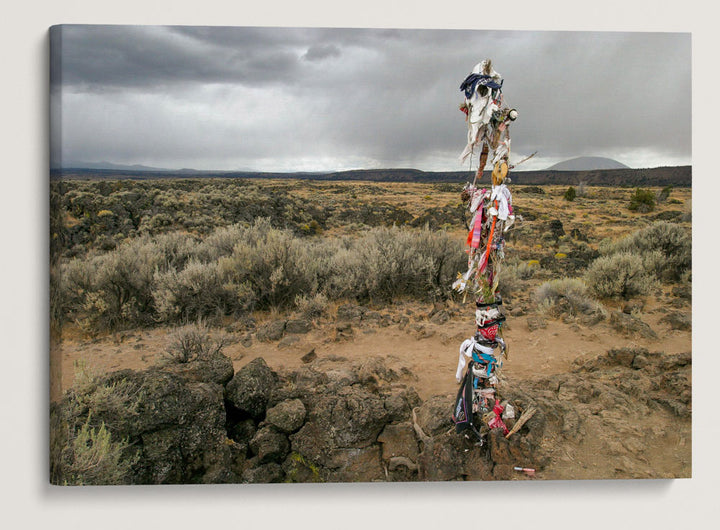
[{"x": 28, "y": 501}]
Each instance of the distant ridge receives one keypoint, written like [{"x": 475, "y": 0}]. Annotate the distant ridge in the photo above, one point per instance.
[
  {"x": 587, "y": 163},
  {"x": 679, "y": 176}
]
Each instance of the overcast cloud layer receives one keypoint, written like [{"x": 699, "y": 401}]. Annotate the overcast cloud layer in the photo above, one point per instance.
[{"x": 293, "y": 99}]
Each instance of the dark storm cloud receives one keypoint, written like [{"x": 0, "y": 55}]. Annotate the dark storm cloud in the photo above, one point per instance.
[
  {"x": 320, "y": 52},
  {"x": 376, "y": 97}
]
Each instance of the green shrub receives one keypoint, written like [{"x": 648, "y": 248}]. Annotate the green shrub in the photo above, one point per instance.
[
  {"x": 193, "y": 342},
  {"x": 570, "y": 194},
  {"x": 666, "y": 249},
  {"x": 220, "y": 242},
  {"x": 664, "y": 194},
  {"x": 387, "y": 263},
  {"x": 311, "y": 306},
  {"x": 621, "y": 275},
  {"x": 200, "y": 290},
  {"x": 84, "y": 446},
  {"x": 122, "y": 286},
  {"x": 642, "y": 201},
  {"x": 276, "y": 265},
  {"x": 88, "y": 456},
  {"x": 566, "y": 296}
]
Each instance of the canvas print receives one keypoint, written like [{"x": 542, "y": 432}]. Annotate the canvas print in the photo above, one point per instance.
[{"x": 294, "y": 255}]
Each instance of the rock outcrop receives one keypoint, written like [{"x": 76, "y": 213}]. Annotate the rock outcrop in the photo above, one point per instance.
[{"x": 333, "y": 420}]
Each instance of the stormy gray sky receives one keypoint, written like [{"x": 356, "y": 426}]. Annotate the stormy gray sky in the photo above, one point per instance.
[{"x": 294, "y": 99}]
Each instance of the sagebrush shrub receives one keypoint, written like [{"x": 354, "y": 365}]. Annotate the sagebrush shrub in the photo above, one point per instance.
[
  {"x": 176, "y": 248},
  {"x": 84, "y": 446},
  {"x": 666, "y": 248},
  {"x": 193, "y": 342},
  {"x": 566, "y": 295},
  {"x": 621, "y": 275},
  {"x": 277, "y": 265},
  {"x": 87, "y": 455},
  {"x": 113, "y": 290},
  {"x": 386, "y": 263},
  {"x": 220, "y": 242},
  {"x": 174, "y": 278},
  {"x": 199, "y": 290},
  {"x": 312, "y": 306}
]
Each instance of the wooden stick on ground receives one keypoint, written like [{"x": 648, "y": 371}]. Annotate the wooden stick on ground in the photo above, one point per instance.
[
  {"x": 424, "y": 438},
  {"x": 524, "y": 417}
]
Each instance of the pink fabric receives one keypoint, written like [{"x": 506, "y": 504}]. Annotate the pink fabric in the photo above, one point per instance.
[{"x": 476, "y": 231}]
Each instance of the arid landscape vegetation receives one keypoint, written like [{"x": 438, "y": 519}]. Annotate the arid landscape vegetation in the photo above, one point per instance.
[{"x": 328, "y": 305}]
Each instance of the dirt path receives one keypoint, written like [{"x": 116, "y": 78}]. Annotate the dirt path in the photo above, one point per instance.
[{"x": 431, "y": 354}]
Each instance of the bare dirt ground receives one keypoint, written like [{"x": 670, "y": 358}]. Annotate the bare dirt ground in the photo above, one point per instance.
[{"x": 427, "y": 354}]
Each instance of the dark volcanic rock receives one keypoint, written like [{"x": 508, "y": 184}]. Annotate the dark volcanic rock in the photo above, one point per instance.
[
  {"x": 314, "y": 442},
  {"x": 357, "y": 465},
  {"x": 678, "y": 320},
  {"x": 350, "y": 418},
  {"x": 631, "y": 325},
  {"x": 433, "y": 416},
  {"x": 355, "y": 415},
  {"x": 214, "y": 369},
  {"x": 288, "y": 341},
  {"x": 251, "y": 388},
  {"x": 272, "y": 472},
  {"x": 349, "y": 312},
  {"x": 298, "y": 326},
  {"x": 271, "y": 331},
  {"x": 443, "y": 457},
  {"x": 297, "y": 469},
  {"x": 399, "y": 404},
  {"x": 441, "y": 317},
  {"x": 287, "y": 416},
  {"x": 399, "y": 440},
  {"x": 270, "y": 445},
  {"x": 309, "y": 356},
  {"x": 343, "y": 331},
  {"x": 177, "y": 429}
]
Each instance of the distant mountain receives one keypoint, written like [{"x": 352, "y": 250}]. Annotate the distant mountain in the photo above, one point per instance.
[
  {"x": 111, "y": 165},
  {"x": 587, "y": 163}
]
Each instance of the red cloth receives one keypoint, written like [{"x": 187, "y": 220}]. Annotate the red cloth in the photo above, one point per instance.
[
  {"x": 490, "y": 332},
  {"x": 497, "y": 422}
]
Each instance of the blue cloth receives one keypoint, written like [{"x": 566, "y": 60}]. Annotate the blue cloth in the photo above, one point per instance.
[
  {"x": 485, "y": 358},
  {"x": 473, "y": 80}
]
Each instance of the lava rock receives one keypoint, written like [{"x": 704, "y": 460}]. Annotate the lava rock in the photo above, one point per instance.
[
  {"x": 298, "y": 326},
  {"x": 251, "y": 387},
  {"x": 271, "y": 331},
  {"x": 269, "y": 445},
  {"x": 287, "y": 416},
  {"x": 399, "y": 440},
  {"x": 433, "y": 416},
  {"x": 309, "y": 356},
  {"x": 678, "y": 320}
]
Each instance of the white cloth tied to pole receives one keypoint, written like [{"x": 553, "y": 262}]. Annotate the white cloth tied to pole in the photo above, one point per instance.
[
  {"x": 502, "y": 195},
  {"x": 466, "y": 351},
  {"x": 480, "y": 111}
]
